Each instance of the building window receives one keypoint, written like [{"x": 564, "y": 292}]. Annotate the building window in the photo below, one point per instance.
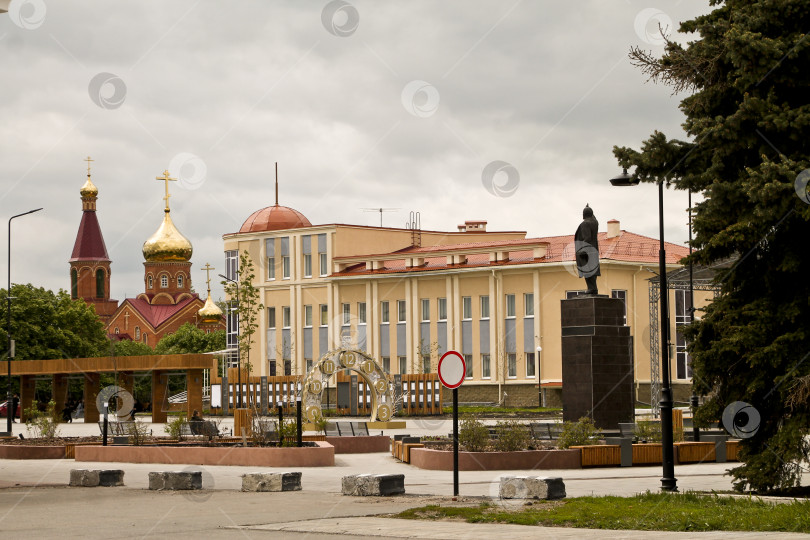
[
  {"x": 622, "y": 295},
  {"x": 510, "y": 306},
  {"x": 403, "y": 364},
  {"x": 361, "y": 313},
  {"x": 231, "y": 264},
  {"x": 74, "y": 284},
  {"x": 309, "y": 364},
  {"x": 137, "y": 332},
  {"x": 180, "y": 281},
  {"x": 442, "y": 305},
  {"x": 425, "y": 310},
  {"x": 271, "y": 317},
  {"x": 232, "y": 333},
  {"x": 285, "y": 317},
  {"x": 271, "y": 268},
  {"x": 469, "y": 366},
  {"x": 307, "y": 265},
  {"x": 285, "y": 267},
  {"x": 386, "y": 364},
  {"x": 346, "y": 310},
  {"x": 308, "y": 318},
  {"x": 149, "y": 281},
  {"x": 528, "y": 305},
  {"x": 466, "y": 308},
  {"x": 511, "y": 365},
  {"x": 485, "y": 307},
  {"x": 322, "y": 264},
  {"x": 384, "y": 317},
  {"x": 530, "y": 364},
  {"x": 144, "y": 339},
  {"x": 401, "y": 311},
  {"x": 99, "y": 283},
  {"x": 425, "y": 364},
  {"x": 164, "y": 281},
  {"x": 485, "y": 371},
  {"x": 324, "y": 315},
  {"x": 287, "y": 368},
  {"x": 683, "y": 363},
  {"x": 116, "y": 329}
]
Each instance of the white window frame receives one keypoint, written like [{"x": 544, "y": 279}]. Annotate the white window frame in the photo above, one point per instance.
[
  {"x": 308, "y": 317},
  {"x": 484, "y": 305},
  {"x": 425, "y": 309},
  {"x": 528, "y": 305},
  {"x": 271, "y": 317},
  {"x": 470, "y": 370},
  {"x": 285, "y": 267},
  {"x": 179, "y": 281},
  {"x": 511, "y": 365},
  {"x": 486, "y": 361},
  {"x": 361, "y": 313},
  {"x": 441, "y": 304},
  {"x": 322, "y": 263},
  {"x": 286, "y": 317},
  {"x": 510, "y": 306},
  {"x": 164, "y": 281},
  {"x": 307, "y": 265},
  {"x": 271, "y": 268},
  {"x": 531, "y": 360},
  {"x": 346, "y": 314},
  {"x": 466, "y": 308},
  {"x": 324, "y": 314},
  {"x": 402, "y": 312},
  {"x": 385, "y": 314}
]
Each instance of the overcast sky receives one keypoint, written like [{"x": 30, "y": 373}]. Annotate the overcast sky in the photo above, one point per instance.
[{"x": 365, "y": 104}]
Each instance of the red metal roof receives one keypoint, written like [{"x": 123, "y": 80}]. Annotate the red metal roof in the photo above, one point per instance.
[
  {"x": 628, "y": 247},
  {"x": 158, "y": 314},
  {"x": 89, "y": 241}
]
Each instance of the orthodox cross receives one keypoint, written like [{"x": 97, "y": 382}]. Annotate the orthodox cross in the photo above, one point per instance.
[
  {"x": 88, "y": 160},
  {"x": 208, "y": 269},
  {"x": 126, "y": 320},
  {"x": 165, "y": 178}
]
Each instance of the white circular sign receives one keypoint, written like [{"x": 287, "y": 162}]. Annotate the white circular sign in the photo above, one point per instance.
[{"x": 452, "y": 369}]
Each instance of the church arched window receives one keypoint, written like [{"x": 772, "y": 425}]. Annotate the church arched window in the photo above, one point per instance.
[
  {"x": 74, "y": 283},
  {"x": 149, "y": 281},
  {"x": 144, "y": 338},
  {"x": 164, "y": 281},
  {"x": 116, "y": 329},
  {"x": 99, "y": 283},
  {"x": 137, "y": 332},
  {"x": 180, "y": 281}
]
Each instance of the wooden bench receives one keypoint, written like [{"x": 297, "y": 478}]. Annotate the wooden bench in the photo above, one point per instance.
[
  {"x": 117, "y": 428},
  {"x": 545, "y": 431}
]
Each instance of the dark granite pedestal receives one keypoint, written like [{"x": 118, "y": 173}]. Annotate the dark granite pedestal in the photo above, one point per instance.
[{"x": 597, "y": 361}]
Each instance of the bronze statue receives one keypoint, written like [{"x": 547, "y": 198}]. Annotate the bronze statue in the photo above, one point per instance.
[{"x": 586, "y": 246}]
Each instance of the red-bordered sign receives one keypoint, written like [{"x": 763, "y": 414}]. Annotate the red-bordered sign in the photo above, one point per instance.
[{"x": 452, "y": 369}]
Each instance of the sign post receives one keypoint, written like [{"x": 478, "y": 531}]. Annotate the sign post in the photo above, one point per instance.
[{"x": 452, "y": 370}]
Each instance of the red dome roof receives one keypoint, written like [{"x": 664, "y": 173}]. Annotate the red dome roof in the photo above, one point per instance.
[{"x": 274, "y": 218}]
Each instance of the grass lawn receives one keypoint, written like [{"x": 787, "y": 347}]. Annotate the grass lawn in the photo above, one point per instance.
[{"x": 647, "y": 512}]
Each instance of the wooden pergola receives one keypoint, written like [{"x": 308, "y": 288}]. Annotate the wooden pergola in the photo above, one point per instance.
[{"x": 160, "y": 366}]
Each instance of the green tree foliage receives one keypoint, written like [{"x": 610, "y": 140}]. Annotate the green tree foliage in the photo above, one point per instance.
[
  {"x": 49, "y": 325},
  {"x": 748, "y": 121},
  {"x": 128, "y": 347},
  {"x": 190, "y": 339},
  {"x": 248, "y": 306}
]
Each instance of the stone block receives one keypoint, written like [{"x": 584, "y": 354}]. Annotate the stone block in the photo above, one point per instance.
[
  {"x": 175, "y": 481},
  {"x": 287, "y": 481},
  {"x": 96, "y": 477},
  {"x": 379, "y": 485},
  {"x": 531, "y": 487}
]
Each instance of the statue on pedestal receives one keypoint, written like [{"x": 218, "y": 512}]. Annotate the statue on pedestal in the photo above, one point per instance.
[{"x": 586, "y": 247}]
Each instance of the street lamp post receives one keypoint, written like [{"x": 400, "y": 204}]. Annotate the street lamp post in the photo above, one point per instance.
[
  {"x": 9, "y": 402},
  {"x": 238, "y": 355},
  {"x": 668, "y": 481}
]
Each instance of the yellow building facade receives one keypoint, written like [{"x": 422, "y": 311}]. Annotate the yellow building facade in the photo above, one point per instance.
[{"x": 407, "y": 296}]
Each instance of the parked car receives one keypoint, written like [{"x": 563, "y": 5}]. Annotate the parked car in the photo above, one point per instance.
[{"x": 3, "y": 407}]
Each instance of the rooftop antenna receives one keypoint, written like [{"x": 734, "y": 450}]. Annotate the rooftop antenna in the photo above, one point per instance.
[
  {"x": 380, "y": 210},
  {"x": 276, "y": 183},
  {"x": 415, "y": 225}
]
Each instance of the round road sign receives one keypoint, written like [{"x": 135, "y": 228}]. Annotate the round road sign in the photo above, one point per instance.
[{"x": 452, "y": 369}]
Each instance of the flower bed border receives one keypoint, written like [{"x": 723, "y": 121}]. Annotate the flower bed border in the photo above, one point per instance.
[{"x": 442, "y": 460}]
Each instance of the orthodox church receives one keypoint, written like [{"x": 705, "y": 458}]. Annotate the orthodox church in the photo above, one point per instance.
[{"x": 167, "y": 302}]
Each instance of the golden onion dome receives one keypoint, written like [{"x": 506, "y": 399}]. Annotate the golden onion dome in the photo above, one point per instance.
[
  {"x": 167, "y": 244},
  {"x": 210, "y": 312},
  {"x": 89, "y": 189}
]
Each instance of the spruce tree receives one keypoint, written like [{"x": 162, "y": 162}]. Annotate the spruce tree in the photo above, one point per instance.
[{"x": 747, "y": 110}]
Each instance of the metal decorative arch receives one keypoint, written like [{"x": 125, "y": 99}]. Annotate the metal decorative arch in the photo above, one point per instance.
[{"x": 382, "y": 391}]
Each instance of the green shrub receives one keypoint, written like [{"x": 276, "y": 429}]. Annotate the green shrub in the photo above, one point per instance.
[
  {"x": 45, "y": 424},
  {"x": 137, "y": 432},
  {"x": 512, "y": 436},
  {"x": 473, "y": 435},
  {"x": 648, "y": 431},
  {"x": 174, "y": 428},
  {"x": 288, "y": 433},
  {"x": 579, "y": 433}
]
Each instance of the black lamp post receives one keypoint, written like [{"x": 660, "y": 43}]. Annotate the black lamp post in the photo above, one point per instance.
[
  {"x": 9, "y": 402},
  {"x": 668, "y": 481},
  {"x": 238, "y": 355}
]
